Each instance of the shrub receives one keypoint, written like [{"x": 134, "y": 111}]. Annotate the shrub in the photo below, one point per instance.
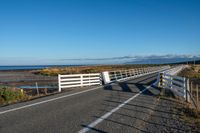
[
  {"x": 197, "y": 76},
  {"x": 8, "y": 95}
]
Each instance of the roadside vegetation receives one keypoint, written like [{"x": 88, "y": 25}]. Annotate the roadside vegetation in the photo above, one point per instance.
[
  {"x": 85, "y": 69},
  {"x": 11, "y": 95},
  {"x": 192, "y": 72},
  {"x": 191, "y": 114},
  {"x": 186, "y": 113}
]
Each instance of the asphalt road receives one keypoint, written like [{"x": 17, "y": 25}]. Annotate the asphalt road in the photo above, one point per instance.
[{"x": 71, "y": 112}]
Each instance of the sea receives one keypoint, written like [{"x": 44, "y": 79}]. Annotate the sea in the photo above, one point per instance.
[{"x": 32, "y": 67}]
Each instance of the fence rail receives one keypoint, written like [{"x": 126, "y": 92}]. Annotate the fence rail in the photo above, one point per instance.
[
  {"x": 176, "y": 84},
  {"x": 78, "y": 80},
  {"x": 113, "y": 76},
  {"x": 175, "y": 70},
  {"x": 179, "y": 85}
]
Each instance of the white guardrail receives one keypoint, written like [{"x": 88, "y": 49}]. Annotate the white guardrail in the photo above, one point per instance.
[
  {"x": 78, "y": 80},
  {"x": 175, "y": 70},
  {"x": 177, "y": 84},
  {"x": 113, "y": 76}
]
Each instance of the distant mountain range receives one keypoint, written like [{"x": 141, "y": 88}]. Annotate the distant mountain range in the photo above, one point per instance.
[
  {"x": 164, "y": 60},
  {"x": 189, "y": 62}
]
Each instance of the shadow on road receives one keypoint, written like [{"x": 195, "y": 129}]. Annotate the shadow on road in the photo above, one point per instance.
[
  {"x": 94, "y": 129},
  {"x": 125, "y": 87},
  {"x": 146, "y": 113},
  {"x": 108, "y": 87},
  {"x": 149, "y": 111}
]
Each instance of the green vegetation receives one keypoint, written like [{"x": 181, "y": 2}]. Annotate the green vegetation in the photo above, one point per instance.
[
  {"x": 11, "y": 95},
  {"x": 85, "y": 69}
]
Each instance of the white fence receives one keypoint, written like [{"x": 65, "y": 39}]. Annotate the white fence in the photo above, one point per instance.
[
  {"x": 177, "y": 84},
  {"x": 78, "y": 80},
  {"x": 113, "y": 76},
  {"x": 176, "y": 69}
]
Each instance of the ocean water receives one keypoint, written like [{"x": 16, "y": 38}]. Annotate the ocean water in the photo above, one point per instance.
[{"x": 31, "y": 67}]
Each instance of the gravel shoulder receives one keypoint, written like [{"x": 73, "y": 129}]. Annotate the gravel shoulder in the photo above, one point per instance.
[{"x": 170, "y": 115}]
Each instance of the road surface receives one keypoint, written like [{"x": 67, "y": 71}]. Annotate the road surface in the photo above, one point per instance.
[{"x": 122, "y": 107}]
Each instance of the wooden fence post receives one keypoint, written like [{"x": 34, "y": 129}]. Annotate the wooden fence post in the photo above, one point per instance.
[
  {"x": 36, "y": 84},
  {"x": 45, "y": 91},
  {"x": 187, "y": 87},
  {"x": 191, "y": 87},
  {"x": 197, "y": 91}
]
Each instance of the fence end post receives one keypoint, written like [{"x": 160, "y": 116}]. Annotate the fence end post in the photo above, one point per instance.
[
  {"x": 187, "y": 87},
  {"x": 59, "y": 81},
  {"x": 106, "y": 77}
]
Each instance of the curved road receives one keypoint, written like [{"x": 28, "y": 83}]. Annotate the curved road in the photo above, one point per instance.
[{"x": 101, "y": 109}]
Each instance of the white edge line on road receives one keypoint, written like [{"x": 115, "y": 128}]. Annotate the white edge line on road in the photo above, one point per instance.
[
  {"x": 99, "y": 120},
  {"x": 53, "y": 99}
]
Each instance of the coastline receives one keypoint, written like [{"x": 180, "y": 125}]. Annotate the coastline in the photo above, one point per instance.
[{"x": 32, "y": 67}]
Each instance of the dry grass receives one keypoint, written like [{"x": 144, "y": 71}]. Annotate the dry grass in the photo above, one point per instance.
[
  {"x": 188, "y": 113},
  {"x": 10, "y": 95},
  {"x": 191, "y": 115},
  {"x": 192, "y": 72},
  {"x": 85, "y": 69}
]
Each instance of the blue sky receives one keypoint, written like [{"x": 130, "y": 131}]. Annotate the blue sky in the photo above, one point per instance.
[{"x": 36, "y": 32}]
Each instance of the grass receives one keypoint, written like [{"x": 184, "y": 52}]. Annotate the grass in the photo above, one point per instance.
[
  {"x": 191, "y": 112},
  {"x": 10, "y": 95},
  {"x": 187, "y": 112},
  {"x": 191, "y": 115},
  {"x": 192, "y": 72},
  {"x": 85, "y": 69}
]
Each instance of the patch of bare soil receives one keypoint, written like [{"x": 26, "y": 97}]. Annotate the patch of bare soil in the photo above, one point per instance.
[{"x": 24, "y": 77}]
